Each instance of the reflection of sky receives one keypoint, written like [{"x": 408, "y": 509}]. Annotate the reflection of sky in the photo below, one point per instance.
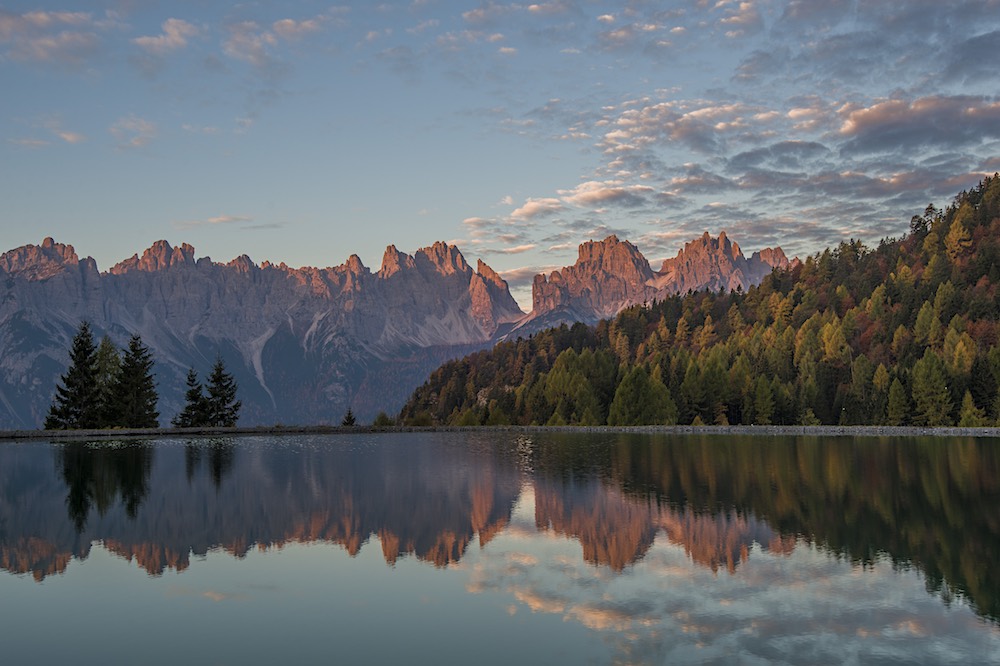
[
  {"x": 800, "y": 607},
  {"x": 527, "y": 596}
]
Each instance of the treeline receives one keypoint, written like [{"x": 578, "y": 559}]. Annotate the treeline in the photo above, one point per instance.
[
  {"x": 901, "y": 334},
  {"x": 104, "y": 387}
]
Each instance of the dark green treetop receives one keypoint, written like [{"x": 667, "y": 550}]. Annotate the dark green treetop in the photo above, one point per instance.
[
  {"x": 195, "y": 412},
  {"x": 75, "y": 403},
  {"x": 222, "y": 407},
  {"x": 134, "y": 391}
]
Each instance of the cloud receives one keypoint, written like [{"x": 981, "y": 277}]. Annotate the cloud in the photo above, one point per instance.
[
  {"x": 927, "y": 121},
  {"x": 223, "y": 220},
  {"x": 518, "y": 278},
  {"x": 741, "y": 19},
  {"x": 176, "y": 33},
  {"x": 533, "y": 208},
  {"x": 291, "y": 29},
  {"x": 594, "y": 194},
  {"x": 58, "y": 37},
  {"x": 697, "y": 124},
  {"x": 29, "y": 143},
  {"x": 71, "y": 137},
  {"x": 517, "y": 249},
  {"x": 247, "y": 42},
  {"x": 133, "y": 132}
]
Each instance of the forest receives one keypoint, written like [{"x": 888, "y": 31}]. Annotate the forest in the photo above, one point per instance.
[{"x": 904, "y": 333}]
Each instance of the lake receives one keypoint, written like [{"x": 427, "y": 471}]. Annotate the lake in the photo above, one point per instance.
[{"x": 500, "y": 548}]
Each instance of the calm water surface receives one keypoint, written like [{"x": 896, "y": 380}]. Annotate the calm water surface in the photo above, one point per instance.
[{"x": 457, "y": 548}]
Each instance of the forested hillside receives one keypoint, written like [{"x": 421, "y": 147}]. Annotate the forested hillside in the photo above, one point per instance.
[{"x": 901, "y": 334}]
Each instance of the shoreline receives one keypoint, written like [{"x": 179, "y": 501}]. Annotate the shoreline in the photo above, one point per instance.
[{"x": 763, "y": 431}]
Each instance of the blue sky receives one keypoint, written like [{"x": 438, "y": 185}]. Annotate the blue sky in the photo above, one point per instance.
[{"x": 304, "y": 132}]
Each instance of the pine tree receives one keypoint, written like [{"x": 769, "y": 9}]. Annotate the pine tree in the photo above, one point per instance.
[
  {"x": 75, "y": 404},
  {"x": 134, "y": 391},
  {"x": 195, "y": 412},
  {"x": 107, "y": 365},
  {"x": 222, "y": 407},
  {"x": 348, "y": 420}
]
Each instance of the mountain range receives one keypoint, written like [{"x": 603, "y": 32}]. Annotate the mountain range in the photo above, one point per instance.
[{"x": 307, "y": 343}]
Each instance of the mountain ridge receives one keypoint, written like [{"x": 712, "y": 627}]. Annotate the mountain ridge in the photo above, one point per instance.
[{"x": 304, "y": 343}]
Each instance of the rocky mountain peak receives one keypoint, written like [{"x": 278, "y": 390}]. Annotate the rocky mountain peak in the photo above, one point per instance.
[
  {"x": 443, "y": 258},
  {"x": 614, "y": 256},
  {"x": 489, "y": 274},
  {"x": 160, "y": 256},
  {"x": 612, "y": 274},
  {"x": 242, "y": 264},
  {"x": 772, "y": 256},
  {"x": 39, "y": 262},
  {"x": 394, "y": 261},
  {"x": 355, "y": 265}
]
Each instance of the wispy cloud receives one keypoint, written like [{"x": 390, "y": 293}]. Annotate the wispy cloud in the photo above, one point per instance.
[
  {"x": 218, "y": 220},
  {"x": 59, "y": 37},
  {"x": 176, "y": 33},
  {"x": 133, "y": 132}
]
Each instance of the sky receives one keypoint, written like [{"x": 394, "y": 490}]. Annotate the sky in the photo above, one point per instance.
[{"x": 306, "y": 132}]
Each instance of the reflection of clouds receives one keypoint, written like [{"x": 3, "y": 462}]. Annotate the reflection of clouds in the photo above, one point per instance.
[
  {"x": 216, "y": 596},
  {"x": 801, "y": 606}
]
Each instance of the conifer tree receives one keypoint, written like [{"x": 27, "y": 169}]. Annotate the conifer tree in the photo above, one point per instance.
[
  {"x": 134, "y": 392},
  {"x": 898, "y": 407},
  {"x": 971, "y": 416},
  {"x": 107, "y": 365},
  {"x": 75, "y": 403},
  {"x": 195, "y": 412},
  {"x": 349, "y": 419},
  {"x": 931, "y": 398},
  {"x": 222, "y": 407}
]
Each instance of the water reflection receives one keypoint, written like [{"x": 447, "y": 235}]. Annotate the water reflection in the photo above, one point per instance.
[{"x": 928, "y": 504}]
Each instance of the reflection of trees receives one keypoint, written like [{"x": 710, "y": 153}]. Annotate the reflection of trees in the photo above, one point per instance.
[
  {"x": 98, "y": 475},
  {"x": 927, "y": 502},
  {"x": 219, "y": 452}
]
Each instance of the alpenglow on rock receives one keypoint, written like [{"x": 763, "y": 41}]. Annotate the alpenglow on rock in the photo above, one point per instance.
[
  {"x": 612, "y": 274},
  {"x": 304, "y": 344}
]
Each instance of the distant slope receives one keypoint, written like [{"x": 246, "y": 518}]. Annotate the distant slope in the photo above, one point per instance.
[{"x": 904, "y": 333}]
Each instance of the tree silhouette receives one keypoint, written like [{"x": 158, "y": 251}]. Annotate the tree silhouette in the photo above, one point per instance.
[
  {"x": 75, "y": 404},
  {"x": 195, "y": 412},
  {"x": 222, "y": 407},
  {"x": 134, "y": 391}
]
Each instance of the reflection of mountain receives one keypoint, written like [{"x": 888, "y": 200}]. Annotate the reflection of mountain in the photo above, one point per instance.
[
  {"x": 616, "y": 529},
  {"x": 927, "y": 503},
  {"x": 220, "y": 494}
]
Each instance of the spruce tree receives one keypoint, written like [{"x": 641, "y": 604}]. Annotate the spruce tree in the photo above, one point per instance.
[
  {"x": 107, "y": 365},
  {"x": 222, "y": 407},
  {"x": 75, "y": 403},
  {"x": 349, "y": 419},
  {"x": 195, "y": 412},
  {"x": 134, "y": 392}
]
